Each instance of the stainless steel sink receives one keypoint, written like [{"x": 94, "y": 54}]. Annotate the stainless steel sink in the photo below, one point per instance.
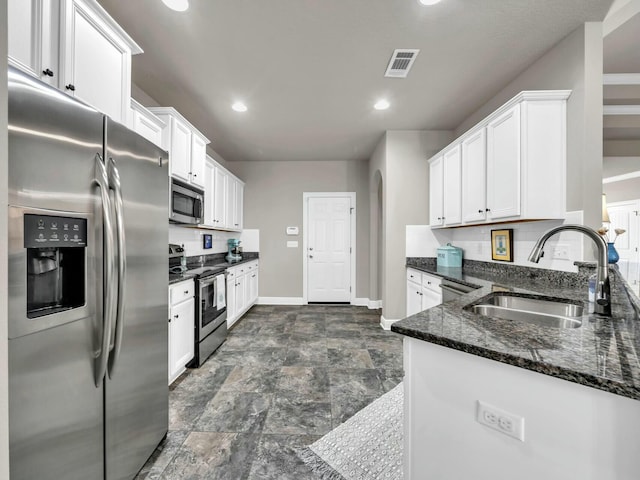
[{"x": 543, "y": 312}]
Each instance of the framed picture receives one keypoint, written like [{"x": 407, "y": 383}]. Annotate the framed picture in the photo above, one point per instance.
[
  {"x": 502, "y": 245},
  {"x": 207, "y": 241}
]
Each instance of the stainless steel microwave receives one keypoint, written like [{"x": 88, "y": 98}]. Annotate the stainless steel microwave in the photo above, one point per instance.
[{"x": 186, "y": 203}]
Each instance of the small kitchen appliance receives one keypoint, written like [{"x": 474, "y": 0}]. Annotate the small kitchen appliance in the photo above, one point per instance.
[
  {"x": 177, "y": 259},
  {"x": 235, "y": 250},
  {"x": 449, "y": 256}
]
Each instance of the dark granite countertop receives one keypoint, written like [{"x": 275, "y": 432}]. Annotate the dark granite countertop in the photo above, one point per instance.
[
  {"x": 603, "y": 353},
  {"x": 216, "y": 262},
  {"x": 180, "y": 277}
]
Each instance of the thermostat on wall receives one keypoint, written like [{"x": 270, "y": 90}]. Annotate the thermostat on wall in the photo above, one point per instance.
[
  {"x": 206, "y": 241},
  {"x": 292, "y": 230}
]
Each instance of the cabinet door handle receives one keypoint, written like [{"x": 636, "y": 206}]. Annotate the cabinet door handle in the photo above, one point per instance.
[
  {"x": 48, "y": 72},
  {"x": 310, "y": 256},
  {"x": 176, "y": 316},
  {"x": 186, "y": 292},
  {"x": 479, "y": 211},
  {"x": 70, "y": 87},
  {"x": 487, "y": 209}
]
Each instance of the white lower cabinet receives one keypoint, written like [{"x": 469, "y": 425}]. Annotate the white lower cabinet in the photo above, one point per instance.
[
  {"x": 181, "y": 327},
  {"x": 423, "y": 291},
  {"x": 242, "y": 290}
]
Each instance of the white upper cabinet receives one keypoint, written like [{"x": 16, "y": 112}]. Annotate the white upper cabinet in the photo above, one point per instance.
[
  {"x": 33, "y": 39},
  {"x": 474, "y": 167},
  {"x": 224, "y": 198},
  {"x": 77, "y": 47},
  {"x": 186, "y": 146},
  {"x": 436, "y": 174},
  {"x": 452, "y": 195},
  {"x": 444, "y": 192},
  {"x": 512, "y": 165},
  {"x": 503, "y": 165},
  {"x": 198, "y": 157},
  {"x": 146, "y": 123}
]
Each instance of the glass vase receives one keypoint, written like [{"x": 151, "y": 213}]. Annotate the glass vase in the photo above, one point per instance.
[{"x": 612, "y": 253}]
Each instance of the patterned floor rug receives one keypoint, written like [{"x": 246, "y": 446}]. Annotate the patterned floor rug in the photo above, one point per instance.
[{"x": 368, "y": 446}]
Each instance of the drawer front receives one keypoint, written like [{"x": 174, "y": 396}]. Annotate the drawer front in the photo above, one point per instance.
[
  {"x": 414, "y": 276},
  {"x": 431, "y": 282},
  {"x": 181, "y": 292}
]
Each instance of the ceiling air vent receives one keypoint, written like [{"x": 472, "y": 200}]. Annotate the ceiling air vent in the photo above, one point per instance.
[{"x": 401, "y": 62}]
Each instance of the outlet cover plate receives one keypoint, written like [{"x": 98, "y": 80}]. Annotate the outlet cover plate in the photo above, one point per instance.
[{"x": 500, "y": 420}]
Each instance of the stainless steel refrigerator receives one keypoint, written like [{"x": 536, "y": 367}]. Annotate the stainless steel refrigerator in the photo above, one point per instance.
[{"x": 88, "y": 234}]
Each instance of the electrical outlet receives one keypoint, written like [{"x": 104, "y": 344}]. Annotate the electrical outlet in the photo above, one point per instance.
[
  {"x": 500, "y": 420},
  {"x": 560, "y": 251}
]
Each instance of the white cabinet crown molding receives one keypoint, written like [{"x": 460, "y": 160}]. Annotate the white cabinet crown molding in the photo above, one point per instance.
[
  {"x": 173, "y": 112},
  {"x": 525, "y": 95},
  {"x": 138, "y": 107},
  {"x": 100, "y": 15}
]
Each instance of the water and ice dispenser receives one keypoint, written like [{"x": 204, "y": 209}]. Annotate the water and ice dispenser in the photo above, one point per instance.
[{"x": 55, "y": 247}]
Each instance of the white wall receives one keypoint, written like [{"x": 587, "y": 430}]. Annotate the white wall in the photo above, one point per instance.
[
  {"x": 575, "y": 63},
  {"x": 475, "y": 242},
  {"x": 401, "y": 159},
  {"x": 4, "y": 368},
  {"x": 571, "y": 431},
  {"x": 274, "y": 200}
]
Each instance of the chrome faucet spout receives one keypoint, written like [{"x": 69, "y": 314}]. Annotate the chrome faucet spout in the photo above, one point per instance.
[{"x": 603, "y": 288}]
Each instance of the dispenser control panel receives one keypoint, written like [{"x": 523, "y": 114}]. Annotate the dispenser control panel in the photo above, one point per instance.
[{"x": 52, "y": 231}]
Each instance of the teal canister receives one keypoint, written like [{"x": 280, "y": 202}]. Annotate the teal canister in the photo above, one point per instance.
[{"x": 449, "y": 256}]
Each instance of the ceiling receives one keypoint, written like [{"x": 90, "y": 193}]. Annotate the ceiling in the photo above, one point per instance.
[
  {"x": 621, "y": 51},
  {"x": 311, "y": 70}
]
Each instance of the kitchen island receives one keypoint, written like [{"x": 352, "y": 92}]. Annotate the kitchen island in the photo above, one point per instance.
[{"x": 576, "y": 388}]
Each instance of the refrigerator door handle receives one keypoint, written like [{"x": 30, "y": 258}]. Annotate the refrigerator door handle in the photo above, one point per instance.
[
  {"x": 114, "y": 184},
  {"x": 102, "y": 181}
]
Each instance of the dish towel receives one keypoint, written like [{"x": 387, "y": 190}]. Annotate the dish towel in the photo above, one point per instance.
[{"x": 220, "y": 288}]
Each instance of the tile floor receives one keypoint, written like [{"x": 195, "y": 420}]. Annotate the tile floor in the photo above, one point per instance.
[{"x": 284, "y": 377}]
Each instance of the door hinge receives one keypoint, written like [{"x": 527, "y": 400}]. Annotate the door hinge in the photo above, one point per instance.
[
  {"x": 350, "y": 250},
  {"x": 351, "y": 210}
]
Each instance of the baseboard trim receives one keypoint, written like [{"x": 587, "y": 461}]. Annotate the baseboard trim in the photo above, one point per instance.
[
  {"x": 386, "y": 323},
  {"x": 281, "y": 301},
  {"x": 365, "y": 302}
]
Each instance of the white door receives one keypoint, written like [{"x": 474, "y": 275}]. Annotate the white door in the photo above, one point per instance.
[
  {"x": 625, "y": 215},
  {"x": 329, "y": 249}
]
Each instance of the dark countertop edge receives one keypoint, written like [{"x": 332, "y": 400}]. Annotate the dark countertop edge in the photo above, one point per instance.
[
  {"x": 565, "y": 374},
  {"x": 174, "y": 278},
  {"x": 177, "y": 278}
]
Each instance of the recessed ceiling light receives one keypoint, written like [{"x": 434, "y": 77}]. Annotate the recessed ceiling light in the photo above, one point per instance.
[
  {"x": 177, "y": 5},
  {"x": 381, "y": 105},
  {"x": 428, "y": 2},
  {"x": 239, "y": 107}
]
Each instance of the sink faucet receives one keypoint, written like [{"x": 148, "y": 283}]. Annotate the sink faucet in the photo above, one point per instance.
[{"x": 603, "y": 289}]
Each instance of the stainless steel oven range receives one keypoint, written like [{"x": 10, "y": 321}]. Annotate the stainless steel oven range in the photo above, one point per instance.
[{"x": 211, "y": 312}]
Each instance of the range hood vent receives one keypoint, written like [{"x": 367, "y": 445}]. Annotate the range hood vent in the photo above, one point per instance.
[{"x": 401, "y": 62}]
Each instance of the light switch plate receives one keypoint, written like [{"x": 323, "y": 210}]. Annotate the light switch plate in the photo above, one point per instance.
[
  {"x": 292, "y": 231},
  {"x": 292, "y": 244}
]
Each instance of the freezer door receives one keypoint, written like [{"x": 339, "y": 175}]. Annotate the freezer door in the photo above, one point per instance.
[
  {"x": 136, "y": 391},
  {"x": 55, "y": 408}
]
